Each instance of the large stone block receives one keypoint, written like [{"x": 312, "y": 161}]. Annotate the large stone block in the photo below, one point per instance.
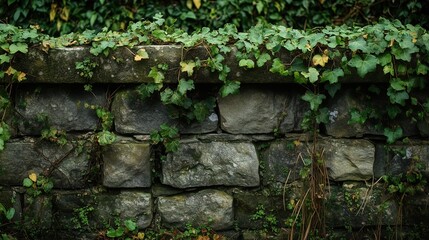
[
  {"x": 125, "y": 205},
  {"x": 61, "y": 107},
  {"x": 127, "y": 165},
  {"x": 134, "y": 116},
  {"x": 211, "y": 208},
  {"x": 262, "y": 110},
  {"x": 283, "y": 160},
  {"x": 198, "y": 164},
  {"x": 67, "y": 165},
  {"x": 397, "y": 159},
  {"x": 348, "y": 159},
  {"x": 349, "y": 99},
  {"x": 357, "y": 205}
]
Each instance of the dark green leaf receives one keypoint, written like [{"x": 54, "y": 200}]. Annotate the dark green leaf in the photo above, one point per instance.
[
  {"x": 364, "y": 65},
  {"x": 229, "y": 88}
]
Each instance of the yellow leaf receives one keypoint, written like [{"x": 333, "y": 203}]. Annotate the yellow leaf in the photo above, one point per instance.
[
  {"x": 391, "y": 42},
  {"x": 197, "y": 3},
  {"x": 320, "y": 60},
  {"x": 188, "y": 67},
  {"x": 141, "y": 54},
  {"x": 21, "y": 76},
  {"x": 140, "y": 235},
  {"x": 10, "y": 71},
  {"x": 189, "y": 4},
  {"x": 53, "y": 12},
  {"x": 297, "y": 143},
  {"x": 33, "y": 177},
  {"x": 65, "y": 13}
]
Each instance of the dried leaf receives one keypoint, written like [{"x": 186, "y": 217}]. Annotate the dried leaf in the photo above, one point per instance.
[
  {"x": 197, "y": 3},
  {"x": 33, "y": 177},
  {"x": 320, "y": 60},
  {"x": 141, "y": 54},
  {"x": 52, "y": 12}
]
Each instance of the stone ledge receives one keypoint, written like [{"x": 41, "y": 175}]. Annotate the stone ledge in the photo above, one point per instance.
[{"x": 58, "y": 66}]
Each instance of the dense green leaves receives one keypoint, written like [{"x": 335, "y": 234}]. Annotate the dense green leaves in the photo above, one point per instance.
[{"x": 364, "y": 64}]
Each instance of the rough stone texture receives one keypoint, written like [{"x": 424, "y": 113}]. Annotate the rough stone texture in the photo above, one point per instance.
[
  {"x": 133, "y": 116},
  {"x": 397, "y": 160},
  {"x": 356, "y": 205},
  {"x": 349, "y": 159},
  {"x": 247, "y": 203},
  {"x": 63, "y": 107},
  {"x": 212, "y": 208},
  {"x": 38, "y": 213},
  {"x": 11, "y": 199},
  {"x": 213, "y": 163},
  {"x": 261, "y": 110},
  {"x": 349, "y": 98},
  {"x": 127, "y": 165},
  {"x": 19, "y": 158},
  {"x": 125, "y": 205},
  {"x": 284, "y": 158},
  {"x": 67, "y": 205}
]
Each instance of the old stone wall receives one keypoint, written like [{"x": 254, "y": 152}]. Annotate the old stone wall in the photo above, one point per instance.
[{"x": 248, "y": 155}]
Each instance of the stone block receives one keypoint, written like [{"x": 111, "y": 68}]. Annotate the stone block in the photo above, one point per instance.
[
  {"x": 67, "y": 165},
  {"x": 134, "y": 116},
  {"x": 396, "y": 159},
  {"x": 356, "y": 205},
  {"x": 349, "y": 99},
  {"x": 198, "y": 164},
  {"x": 208, "y": 207},
  {"x": 262, "y": 110},
  {"x": 38, "y": 213},
  {"x": 61, "y": 107},
  {"x": 134, "y": 205},
  {"x": 127, "y": 165},
  {"x": 283, "y": 160},
  {"x": 348, "y": 159}
]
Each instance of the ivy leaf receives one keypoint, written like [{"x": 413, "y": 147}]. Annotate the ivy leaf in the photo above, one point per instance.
[
  {"x": 385, "y": 59},
  {"x": 320, "y": 60},
  {"x": 141, "y": 54},
  {"x": 197, "y": 3},
  {"x": 131, "y": 225},
  {"x": 314, "y": 99},
  {"x": 365, "y": 65},
  {"x": 27, "y": 182},
  {"x": 146, "y": 90},
  {"x": 106, "y": 137},
  {"x": 332, "y": 75},
  {"x": 229, "y": 88},
  {"x": 421, "y": 69},
  {"x": 333, "y": 88},
  {"x": 398, "y": 84},
  {"x": 312, "y": 75},
  {"x": 404, "y": 53},
  {"x": 10, "y": 213},
  {"x": 188, "y": 67},
  {"x": 358, "y": 44},
  {"x": 185, "y": 85},
  {"x": 248, "y": 63},
  {"x": 157, "y": 76},
  {"x": 393, "y": 134},
  {"x": 262, "y": 59},
  {"x": 4, "y": 58},
  {"x": 279, "y": 67},
  {"x": 397, "y": 97},
  {"x": 18, "y": 47}
]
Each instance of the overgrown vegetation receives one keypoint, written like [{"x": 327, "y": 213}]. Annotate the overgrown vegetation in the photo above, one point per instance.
[{"x": 320, "y": 59}]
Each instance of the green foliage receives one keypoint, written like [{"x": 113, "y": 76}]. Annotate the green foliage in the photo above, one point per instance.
[
  {"x": 8, "y": 213},
  {"x": 4, "y": 134},
  {"x": 86, "y": 68},
  {"x": 36, "y": 185},
  {"x": 268, "y": 220},
  {"x": 168, "y": 136},
  {"x": 81, "y": 219},
  {"x": 105, "y": 136}
]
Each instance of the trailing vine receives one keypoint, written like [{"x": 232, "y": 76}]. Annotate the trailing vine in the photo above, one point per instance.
[{"x": 320, "y": 60}]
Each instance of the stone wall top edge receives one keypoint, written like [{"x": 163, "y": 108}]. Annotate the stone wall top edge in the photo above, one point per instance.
[{"x": 59, "y": 66}]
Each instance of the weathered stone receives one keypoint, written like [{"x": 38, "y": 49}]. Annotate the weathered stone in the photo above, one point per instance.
[
  {"x": 134, "y": 116},
  {"x": 416, "y": 211},
  {"x": 11, "y": 199},
  {"x": 70, "y": 204},
  {"x": 59, "y": 107},
  {"x": 349, "y": 99},
  {"x": 284, "y": 160},
  {"x": 261, "y": 110},
  {"x": 126, "y": 205},
  {"x": 252, "y": 208},
  {"x": 349, "y": 159},
  {"x": 164, "y": 190},
  {"x": 127, "y": 165},
  {"x": 211, "y": 208},
  {"x": 396, "y": 159},
  {"x": 37, "y": 213},
  {"x": 213, "y": 163},
  {"x": 68, "y": 167},
  {"x": 356, "y": 205}
]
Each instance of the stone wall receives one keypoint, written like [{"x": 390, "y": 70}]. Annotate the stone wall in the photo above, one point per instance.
[{"x": 247, "y": 155}]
